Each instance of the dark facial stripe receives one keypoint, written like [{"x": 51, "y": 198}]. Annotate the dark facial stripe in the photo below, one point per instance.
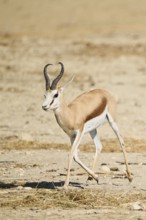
[{"x": 52, "y": 102}]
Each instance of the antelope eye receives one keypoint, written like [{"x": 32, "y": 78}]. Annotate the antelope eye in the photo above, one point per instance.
[{"x": 56, "y": 95}]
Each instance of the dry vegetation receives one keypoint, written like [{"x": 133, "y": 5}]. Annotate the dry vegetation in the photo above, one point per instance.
[
  {"x": 110, "y": 145},
  {"x": 73, "y": 198}
]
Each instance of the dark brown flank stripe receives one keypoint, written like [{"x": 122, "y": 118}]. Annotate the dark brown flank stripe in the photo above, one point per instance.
[{"x": 98, "y": 111}]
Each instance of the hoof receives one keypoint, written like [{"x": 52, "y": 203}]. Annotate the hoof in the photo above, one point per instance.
[
  {"x": 97, "y": 180},
  {"x": 129, "y": 176},
  {"x": 91, "y": 178}
]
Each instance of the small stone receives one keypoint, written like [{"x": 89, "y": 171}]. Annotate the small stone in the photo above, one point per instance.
[
  {"x": 103, "y": 164},
  {"x": 136, "y": 206},
  {"x": 19, "y": 187},
  {"x": 27, "y": 188},
  {"x": 106, "y": 169},
  {"x": 114, "y": 169}
]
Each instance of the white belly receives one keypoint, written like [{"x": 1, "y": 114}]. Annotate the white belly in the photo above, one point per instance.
[{"x": 95, "y": 122}]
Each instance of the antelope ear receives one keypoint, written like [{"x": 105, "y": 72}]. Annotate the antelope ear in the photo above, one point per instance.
[{"x": 68, "y": 82}]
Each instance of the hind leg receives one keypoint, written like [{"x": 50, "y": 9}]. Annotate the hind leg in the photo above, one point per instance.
[
  {"x": 98, "y": 146},
  {"x": 116, "y": 130}
]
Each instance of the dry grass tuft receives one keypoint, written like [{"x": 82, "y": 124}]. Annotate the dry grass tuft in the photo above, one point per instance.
[
  {"x": 110, "y": 145},
  {"x": 73, "y": 198}
]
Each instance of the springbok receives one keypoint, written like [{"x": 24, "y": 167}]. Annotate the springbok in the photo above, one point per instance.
[{"x": 84, "y": 114}]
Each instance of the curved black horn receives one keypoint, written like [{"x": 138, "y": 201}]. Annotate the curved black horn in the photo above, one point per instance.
[
  {"x": 56, "y": 80},
  {"x": 47, "y": 77}
]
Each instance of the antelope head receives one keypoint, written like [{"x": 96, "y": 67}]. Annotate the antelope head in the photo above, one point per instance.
[{"x": 53, "y": 93}]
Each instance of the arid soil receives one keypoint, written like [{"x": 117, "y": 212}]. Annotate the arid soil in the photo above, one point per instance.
[
  {"x": 31, "y": 183},
  {"x": 104, "y": 45}
]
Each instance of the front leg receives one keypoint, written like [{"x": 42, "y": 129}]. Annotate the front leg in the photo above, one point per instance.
[
  {"x": 73, "y": 154},
  {"x": 75, "y": 141}
]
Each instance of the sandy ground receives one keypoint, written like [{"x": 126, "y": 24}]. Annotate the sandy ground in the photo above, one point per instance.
[
  {"x": 31, "y": 179},
  {"x": 103, "y": 50}
]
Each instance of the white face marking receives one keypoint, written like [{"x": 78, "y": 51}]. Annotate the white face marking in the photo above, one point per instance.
[
  {"x": 52, "y": 100},
  {"x": 95, "y": 122}
]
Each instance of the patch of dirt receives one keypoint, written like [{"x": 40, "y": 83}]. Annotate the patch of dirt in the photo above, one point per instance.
[{"x": 108, "y": 50}]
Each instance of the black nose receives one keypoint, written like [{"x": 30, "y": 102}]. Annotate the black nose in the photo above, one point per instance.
[{"x": 44, "y": 107}]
